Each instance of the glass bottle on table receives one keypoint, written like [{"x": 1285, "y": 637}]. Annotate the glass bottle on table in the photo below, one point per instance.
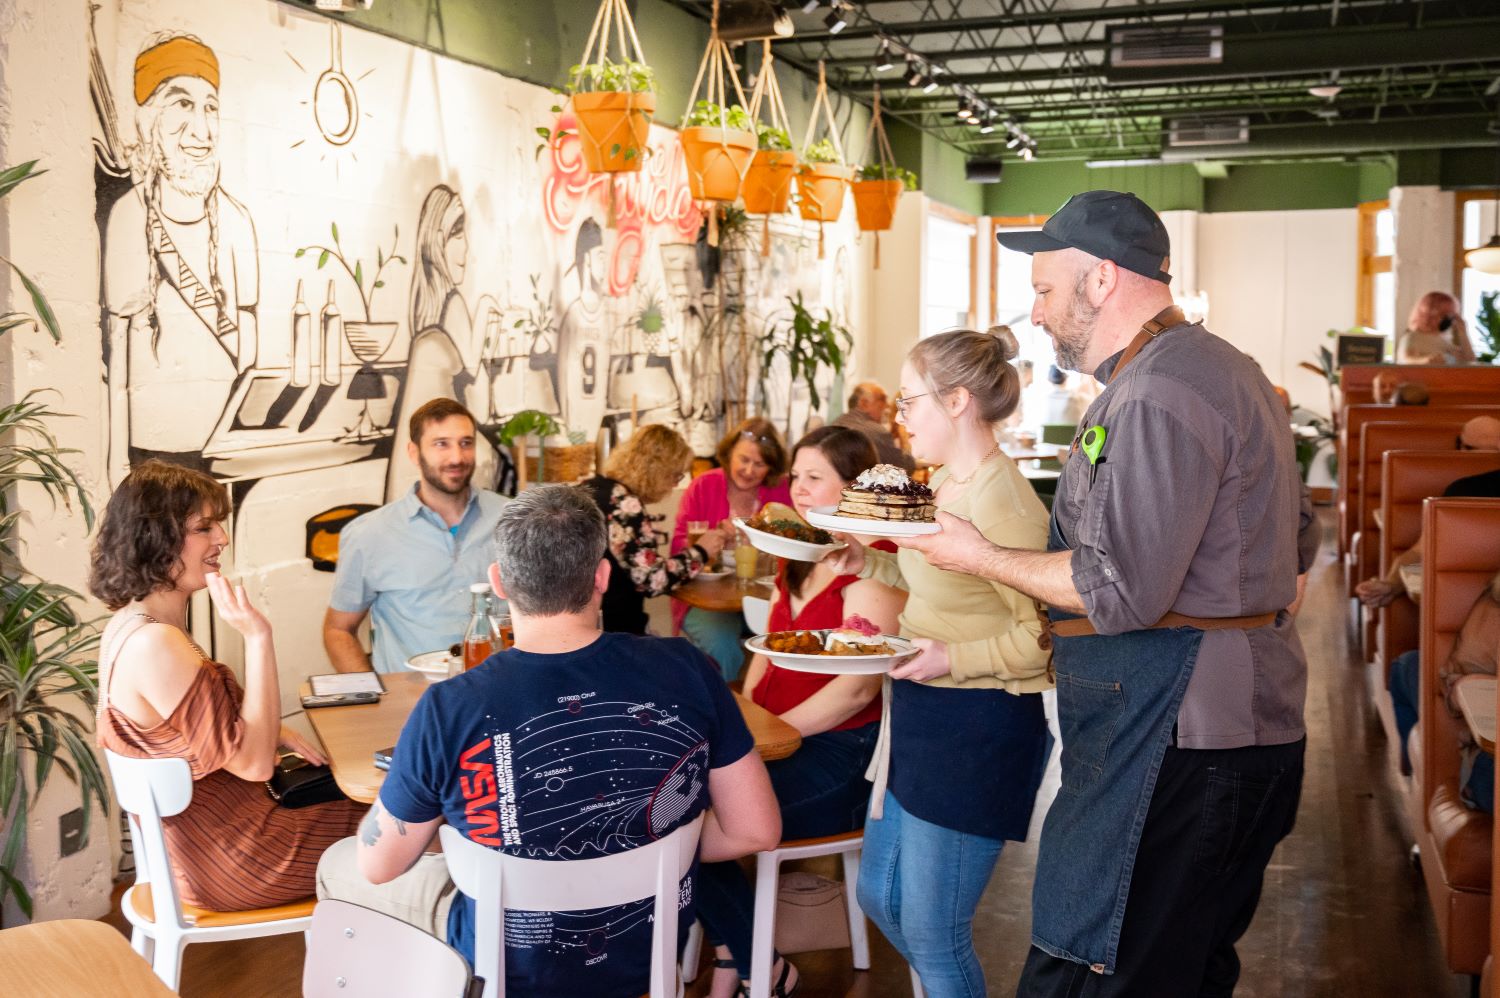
[{"x": 481, "y": 635}]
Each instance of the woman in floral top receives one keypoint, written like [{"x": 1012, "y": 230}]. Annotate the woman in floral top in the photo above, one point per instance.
[{"x": 643, "y": 471}]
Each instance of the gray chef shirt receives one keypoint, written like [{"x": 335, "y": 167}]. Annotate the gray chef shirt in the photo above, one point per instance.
[{"x": 1196, "y": 506}]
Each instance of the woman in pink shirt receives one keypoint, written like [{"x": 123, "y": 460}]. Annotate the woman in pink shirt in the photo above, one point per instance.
[{"x": 752, "y": 464}]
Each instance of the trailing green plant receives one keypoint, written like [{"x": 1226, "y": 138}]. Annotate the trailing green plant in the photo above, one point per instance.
[
  {"x": 821, "y": 151},
  {"x": 707, "y": 114},
  {"x": 608, "y": 76},
  {"x": 888, "y": 171},
  {"x": 772, "y": 138},
  {"x": 47, "y": 679},
  {"x": 1487, "y": 321},
  {"x": 357, "y": 272},
  {"x": 528, "y": 423},
  {"x": 809, "y": 343}
]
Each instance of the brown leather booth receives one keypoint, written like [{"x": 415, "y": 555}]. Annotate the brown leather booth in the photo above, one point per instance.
[
  {"x": 1355, "y": 418},
  {"x": 1407, "y": 479},
  {"x": 1374, "y": 440},
  {"x": 1460, "y": 553}
]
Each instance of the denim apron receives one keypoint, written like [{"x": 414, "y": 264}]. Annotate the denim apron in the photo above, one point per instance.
[{"x": 1117, "y": 702}]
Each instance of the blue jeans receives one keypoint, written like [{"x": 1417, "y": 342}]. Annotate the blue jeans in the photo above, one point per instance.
[
  {"x": 822, "y": 791},
  {"x": 920, "y": 883},
  {"x": 718, "y": 636},
  {"x": 1404, "y": 685}
]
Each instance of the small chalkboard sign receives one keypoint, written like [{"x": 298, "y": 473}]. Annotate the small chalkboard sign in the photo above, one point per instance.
[{"x": 1360, "y": 348}]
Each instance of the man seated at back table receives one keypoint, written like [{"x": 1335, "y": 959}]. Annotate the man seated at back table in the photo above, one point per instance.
[
  {"x": 609, "y": 740},
  {"x": 410, "y": 563}
]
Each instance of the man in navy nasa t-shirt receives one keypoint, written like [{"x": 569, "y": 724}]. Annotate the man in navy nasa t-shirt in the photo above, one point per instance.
[{"x": 575, "y": 744}]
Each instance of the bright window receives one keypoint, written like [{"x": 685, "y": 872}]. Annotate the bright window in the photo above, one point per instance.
[
  {"x": 949, "y": 274},
  {"x": 1476, "y": 227},
  {"x": 1375, "y": 304}
]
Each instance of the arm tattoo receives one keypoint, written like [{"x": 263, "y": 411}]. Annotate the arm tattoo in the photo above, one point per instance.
[{"x": 369, "y": 828}]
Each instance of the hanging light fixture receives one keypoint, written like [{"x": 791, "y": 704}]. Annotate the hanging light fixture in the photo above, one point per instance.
[
  {"x": 882, "y": 61},
  {"x": 988, "y": 124},
  {"x": 811, "y": 6},
  {"x": 914, "y": 75},
  {"x": 1487, "y": 257},
  {"x": 965, "y": 112},
  {"x": 836, "y": 20},
  {"x": 1028, "y": 153}
]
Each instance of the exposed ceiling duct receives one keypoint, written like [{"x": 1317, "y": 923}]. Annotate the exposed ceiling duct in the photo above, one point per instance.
[
  {"x": 1178, "y": 45},
  {"x": 1351, "y": 137}
]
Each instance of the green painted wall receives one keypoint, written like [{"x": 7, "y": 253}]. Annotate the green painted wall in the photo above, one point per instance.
[{"x": 1040, "y": 188}]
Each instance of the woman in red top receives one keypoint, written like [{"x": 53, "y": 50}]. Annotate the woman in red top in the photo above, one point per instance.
[{"x": 821, "y": 787}]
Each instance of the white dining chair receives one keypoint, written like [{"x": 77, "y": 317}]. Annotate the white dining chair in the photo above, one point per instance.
[
  {"x": 498, "y": 882},
  {"x": 757, "y": 613},
  {"x": 352, "y": 950},
  {"x": 161, "y": 925}
]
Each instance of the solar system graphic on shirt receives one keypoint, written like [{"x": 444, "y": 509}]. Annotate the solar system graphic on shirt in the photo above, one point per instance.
[{"x": 592, "y": 778}]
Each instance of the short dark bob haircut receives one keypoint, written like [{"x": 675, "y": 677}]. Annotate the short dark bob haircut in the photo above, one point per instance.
[{"x": 139, "y": 547}]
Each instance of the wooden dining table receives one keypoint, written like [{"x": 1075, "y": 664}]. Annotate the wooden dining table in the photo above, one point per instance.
[
  {"x": 351, "y": 735},
  {"x": 725, "y": 595}
]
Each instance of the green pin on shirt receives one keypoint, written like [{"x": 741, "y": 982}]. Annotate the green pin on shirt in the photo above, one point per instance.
[{"x": 1093, "y": 443}]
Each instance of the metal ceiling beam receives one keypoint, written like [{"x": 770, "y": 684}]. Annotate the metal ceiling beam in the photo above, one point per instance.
[
  {"x": 1119, "y": 12},
  {"x": 1355, "y": 49}
]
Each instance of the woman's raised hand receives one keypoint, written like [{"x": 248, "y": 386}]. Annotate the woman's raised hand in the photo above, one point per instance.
[
  {"x": 849, "y": 560},
  {"x": 712, "y": 542},
  {"x": 235, "y": 607}
]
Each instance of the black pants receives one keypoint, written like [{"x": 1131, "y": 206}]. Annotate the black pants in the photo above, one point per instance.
[{"x": 1215, "y": 818}]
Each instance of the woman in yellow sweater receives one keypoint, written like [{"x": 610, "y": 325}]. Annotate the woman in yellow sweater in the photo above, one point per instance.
[{"x": 963, "y": 745}]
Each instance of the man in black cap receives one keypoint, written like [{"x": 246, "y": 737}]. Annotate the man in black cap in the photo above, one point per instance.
[{"x": 1180, "y": 680}]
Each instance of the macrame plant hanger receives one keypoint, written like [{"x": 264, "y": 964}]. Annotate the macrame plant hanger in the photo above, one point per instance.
[
  {"x": 877, "y": 142},
  {"x": 619, "y": 143},
  {"x": 820, "y": 102},
  {"x": 769, "y": 182},
  {"x": 717, "y": 65}
]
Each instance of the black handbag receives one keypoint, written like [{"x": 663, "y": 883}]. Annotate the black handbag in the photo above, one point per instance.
[{"x": 294, "y": 784}]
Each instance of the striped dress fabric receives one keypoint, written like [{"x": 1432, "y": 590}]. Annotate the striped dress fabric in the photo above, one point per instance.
[{"x": 233, "y": 848}]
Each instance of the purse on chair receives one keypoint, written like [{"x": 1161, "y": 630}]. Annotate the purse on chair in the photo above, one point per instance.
[
  {"x": 295, "y": 784},
  {"x": 811, "y": 914}
]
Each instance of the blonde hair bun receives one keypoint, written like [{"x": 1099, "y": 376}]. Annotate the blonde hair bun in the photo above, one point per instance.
[{"x": 1010, "y": 347}]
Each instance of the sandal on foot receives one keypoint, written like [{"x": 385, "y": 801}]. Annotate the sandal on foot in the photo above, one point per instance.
[{"x": 778, "y": 990}]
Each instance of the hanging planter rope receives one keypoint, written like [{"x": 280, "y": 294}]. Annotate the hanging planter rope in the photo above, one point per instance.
[
  {"x": 821, "y": 181},
  {"x": 718, "y": 139},
  {"x": 613, "y": 101},
  {"x": 881, "y": 181},
  {"x": 768, "y": 183}
]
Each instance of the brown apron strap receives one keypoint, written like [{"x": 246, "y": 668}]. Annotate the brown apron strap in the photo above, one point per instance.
[
  {"x": 1165, "y": 319},
  {"x": 1082, "y": 626}
]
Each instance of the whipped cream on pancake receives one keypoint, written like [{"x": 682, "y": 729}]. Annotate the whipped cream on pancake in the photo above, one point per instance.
[{"x": 886, "y": 492}]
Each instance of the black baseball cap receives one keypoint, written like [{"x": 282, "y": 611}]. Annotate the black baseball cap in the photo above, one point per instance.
[{"x": 1106, "y": 224}]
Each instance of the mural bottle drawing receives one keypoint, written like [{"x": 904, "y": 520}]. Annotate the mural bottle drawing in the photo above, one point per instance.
[
  {"x": 301, "y": 342},
  {"x": 331, "y": 325}
]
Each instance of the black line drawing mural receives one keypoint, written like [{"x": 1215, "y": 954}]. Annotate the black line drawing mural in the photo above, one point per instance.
[
  {"x": 583, "y": 333},
  {"x": 181, "y": 266},
  {"x": 334, "y": 101}
]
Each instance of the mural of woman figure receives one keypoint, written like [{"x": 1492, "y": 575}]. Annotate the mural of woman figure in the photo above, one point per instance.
[
  {"x": 583, "y": 342},
  {"x": 448, "y": 346}
]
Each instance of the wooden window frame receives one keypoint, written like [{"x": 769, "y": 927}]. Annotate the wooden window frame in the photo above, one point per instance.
[
  {"x": 1460, "y": 200},
  {"x": 964, "y": 218},
  {"x": 998, "y": 222},
  {"x": 1370, "y": 263}
]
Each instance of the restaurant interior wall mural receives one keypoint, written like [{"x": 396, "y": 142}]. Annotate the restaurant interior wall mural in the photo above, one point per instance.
[{"x": 307, "y": 230}]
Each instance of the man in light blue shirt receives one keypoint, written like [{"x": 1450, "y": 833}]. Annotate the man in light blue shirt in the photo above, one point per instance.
[{"x": 410, "y": 563}]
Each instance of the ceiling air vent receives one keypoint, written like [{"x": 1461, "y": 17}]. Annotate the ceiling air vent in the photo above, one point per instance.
[
  {"x": 1207, "y": 131},
  {"x": 1179, "y": 45}
]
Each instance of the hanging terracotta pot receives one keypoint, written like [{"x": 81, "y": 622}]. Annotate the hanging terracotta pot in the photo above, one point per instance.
[
  {"x": 768, "y": 184},
  {"x": 717, "y": 159},
  {"x": 614, "y": 127},
  {"x": 875, "y": 203},
  {"x": 820, "y": 190}
]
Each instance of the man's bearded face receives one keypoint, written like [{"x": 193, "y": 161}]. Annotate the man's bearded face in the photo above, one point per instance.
[{"x": 185, "y": 134}]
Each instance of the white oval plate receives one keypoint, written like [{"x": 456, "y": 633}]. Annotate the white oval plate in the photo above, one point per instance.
[
  {"x": 432, "y": 664},
  {"x": 837, "y": 665},
  {"x": 709, "y": 576},
  {"x": 827, "y": 517},
  {"x": 785, "y": 547}
]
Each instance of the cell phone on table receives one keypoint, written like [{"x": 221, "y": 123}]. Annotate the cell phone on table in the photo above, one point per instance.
[
  {"x": 383, "y": 758},
  {"x": 313, "y": 701}
]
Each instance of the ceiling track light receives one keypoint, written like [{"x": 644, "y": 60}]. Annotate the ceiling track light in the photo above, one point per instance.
[
  {"x": 811, "y": 5},
  {"x": 883, "y": 61},
  {"x": 929, "y": 86},
  {"x": 1028, "y": 152},
  {"x": 1012, "y": 142},
  {"x": 836, "y": 19},
  {"x": 987, "y": 126}
]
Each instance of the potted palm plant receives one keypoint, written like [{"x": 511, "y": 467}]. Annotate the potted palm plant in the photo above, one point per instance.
[{"x": 47, "y": 677}]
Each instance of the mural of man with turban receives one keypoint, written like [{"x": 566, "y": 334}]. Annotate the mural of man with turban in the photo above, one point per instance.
[{"x": 181, "y": 275}]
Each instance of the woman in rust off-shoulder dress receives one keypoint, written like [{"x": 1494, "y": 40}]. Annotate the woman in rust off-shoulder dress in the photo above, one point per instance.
[{"x": 161, "y": 697}]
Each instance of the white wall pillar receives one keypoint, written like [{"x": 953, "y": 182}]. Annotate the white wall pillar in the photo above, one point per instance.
[
  {"x": 47, "y": 228},
  {"x": 1423, "y": 260}
]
